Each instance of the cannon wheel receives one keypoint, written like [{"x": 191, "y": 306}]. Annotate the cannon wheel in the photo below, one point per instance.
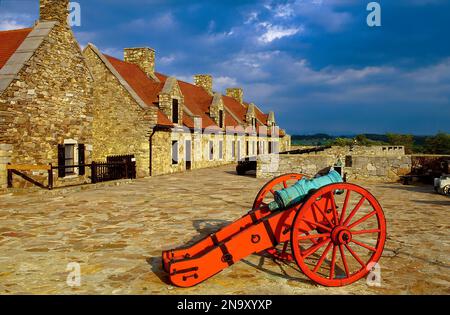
[
  {"x": 285, "y": 180},
  {"x": 355, "y": 227}
]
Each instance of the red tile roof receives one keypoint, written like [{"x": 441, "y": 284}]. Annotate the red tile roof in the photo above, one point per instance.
[
  {"x": 196, "y": 100},
  {"x": 144, "y": 87},
  {"x": 236, "y": 107},
  {"x": 261, "y": 116},
  {"x": 10, "y": 41}
]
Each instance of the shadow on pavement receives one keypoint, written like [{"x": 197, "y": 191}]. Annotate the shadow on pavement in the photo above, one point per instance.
[
  {"x": 251, "y": 174},
  {"x": 434, "y": 202},
  {"x": 426, "y": 189}
]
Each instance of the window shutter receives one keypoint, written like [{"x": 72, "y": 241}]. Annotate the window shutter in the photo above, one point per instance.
[
  {"x": 61, "y": 161},
  {"x": 81, "y": 159}
]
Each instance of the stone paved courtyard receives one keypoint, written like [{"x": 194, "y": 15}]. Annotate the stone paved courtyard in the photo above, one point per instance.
[{"x": 117, "y": 233}]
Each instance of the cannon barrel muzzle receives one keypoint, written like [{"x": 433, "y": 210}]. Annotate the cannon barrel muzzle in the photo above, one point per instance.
[{"x": 295, "y": 194}]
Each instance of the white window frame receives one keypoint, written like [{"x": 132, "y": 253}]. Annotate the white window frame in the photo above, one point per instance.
[{"x": 75, "y": 157}]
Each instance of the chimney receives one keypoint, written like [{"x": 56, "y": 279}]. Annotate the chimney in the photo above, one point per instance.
[
  {"x": 236, "y": 93},
  {"x": 204, "y": 81},
  {"x": 143, "y": 57},
  {"x": 54, "y": 10}
]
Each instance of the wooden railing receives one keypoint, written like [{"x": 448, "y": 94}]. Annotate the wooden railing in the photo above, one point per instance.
[
  {"x": 100, "y": 172},
  {"x": 18, "y": 170}
]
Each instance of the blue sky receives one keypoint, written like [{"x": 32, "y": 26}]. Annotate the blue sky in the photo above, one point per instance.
[{"x": 316, "y": 63}]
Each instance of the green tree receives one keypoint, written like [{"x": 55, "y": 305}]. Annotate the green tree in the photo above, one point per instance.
[
  {"x": 362, "y": 140},
  {"x": 404, "y": 140},
  {"x": 342, "y": 142},
  {"x": 438, "y": 144}
]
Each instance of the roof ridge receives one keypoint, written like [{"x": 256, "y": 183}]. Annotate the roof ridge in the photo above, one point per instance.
[{"x": 17, "y": 30}]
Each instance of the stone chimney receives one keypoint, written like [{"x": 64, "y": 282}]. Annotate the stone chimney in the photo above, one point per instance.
[
  {"x": 236, "y": 93},
  {"x": 204, "y": 81},
  {"x": 54, "y": 10},
  {"x": 144, "y": 58}
]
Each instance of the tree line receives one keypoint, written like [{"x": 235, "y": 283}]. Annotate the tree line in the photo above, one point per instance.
[{"x": 436, "y": 144}]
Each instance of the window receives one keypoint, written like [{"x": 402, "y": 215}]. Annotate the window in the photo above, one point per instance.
[
  {"x": 275, "y": 147},
  {"x": 69, "y": 158},
  {"x": 247, "y": 148},
  {"x": 174, "y": 152},
  {"x": 270, "y": 147},
  {"x": 233, "y": 149},
  {"x": 175, "y": 111},
  {"x": 220, "y": 150},
  {"x": 211, "y": 150},
  {"x": 221, "y": 118},
  {"x": 254, "y": 122},
  {"x": 239, "y": 150},
  {"x": 71, "y": 153}
]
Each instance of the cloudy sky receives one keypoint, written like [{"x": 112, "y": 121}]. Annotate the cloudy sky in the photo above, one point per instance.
[{"x": 316, "y": 63}]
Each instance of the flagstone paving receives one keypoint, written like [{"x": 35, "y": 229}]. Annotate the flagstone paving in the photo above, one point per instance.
[{"x": 117, "y": 233}]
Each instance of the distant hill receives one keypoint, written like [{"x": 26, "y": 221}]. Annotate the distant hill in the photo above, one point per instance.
[{"x": 326, "y": 139}]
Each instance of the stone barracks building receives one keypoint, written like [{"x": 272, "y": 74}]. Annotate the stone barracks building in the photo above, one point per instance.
[{"x": 65, "y": 106}]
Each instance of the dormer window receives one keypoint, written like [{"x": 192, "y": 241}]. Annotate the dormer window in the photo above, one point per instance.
[
  {"x": 175, "y": 111},
  {"x": 254, "y": 122},
  {"x": 221, "y": 118}
]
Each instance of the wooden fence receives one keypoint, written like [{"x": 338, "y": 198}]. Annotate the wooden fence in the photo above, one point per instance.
[{"x": 100, "y": 172}]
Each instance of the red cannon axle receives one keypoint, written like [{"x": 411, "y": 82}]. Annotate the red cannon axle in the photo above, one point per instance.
[{"x": 335, "y": 238}]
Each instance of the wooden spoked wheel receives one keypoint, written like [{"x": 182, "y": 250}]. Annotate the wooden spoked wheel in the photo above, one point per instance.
[
  {"x": 348, "y": 230},
  {"x": 265, "y": 196}
]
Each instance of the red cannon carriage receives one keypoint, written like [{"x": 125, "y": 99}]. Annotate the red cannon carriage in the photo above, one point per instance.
[{"x": 334, "y": 232}]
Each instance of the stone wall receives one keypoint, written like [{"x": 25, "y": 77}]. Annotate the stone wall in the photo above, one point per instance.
[
  {"x": 363, "y": 150},
  {"x": 49, "y": 101},
  {"x": 121, "y": 125},
  {"x": 161, "y": 146},
  {"x": 5, "y": 158},
  {"x": 272, "y": 165},
  {"x": 161, "y": 142},
  {"x": 369, "y": 167},
  {"x": 285, "y": 143},
  {"x": 379, "y": 168}
]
